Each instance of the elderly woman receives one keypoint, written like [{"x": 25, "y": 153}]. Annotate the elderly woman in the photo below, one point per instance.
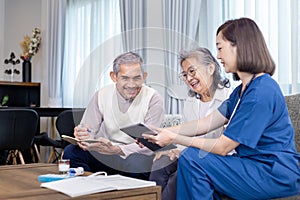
[{"x": 201, "y": 72}]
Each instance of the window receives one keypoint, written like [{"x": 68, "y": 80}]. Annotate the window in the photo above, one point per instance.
[
  {"x": 89, "y": 26},
  {"x": 280, "y": 24}
]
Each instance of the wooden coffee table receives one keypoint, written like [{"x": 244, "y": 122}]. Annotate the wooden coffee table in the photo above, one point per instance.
[{"x": 21, "y": 182}]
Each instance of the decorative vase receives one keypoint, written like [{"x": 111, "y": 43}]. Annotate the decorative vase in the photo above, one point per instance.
[{"x": 26, "y": 71}]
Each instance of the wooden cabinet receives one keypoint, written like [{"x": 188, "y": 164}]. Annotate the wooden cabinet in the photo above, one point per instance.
[{"x": 21, "y": 94}]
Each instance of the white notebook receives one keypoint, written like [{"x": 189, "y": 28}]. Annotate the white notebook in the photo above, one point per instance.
[
  {"x": 74, "y": 141},
  {"x": 79, "y": 186}
]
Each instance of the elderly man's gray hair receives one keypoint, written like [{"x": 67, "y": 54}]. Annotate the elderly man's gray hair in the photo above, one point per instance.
[{"x": 127, "y": 59}]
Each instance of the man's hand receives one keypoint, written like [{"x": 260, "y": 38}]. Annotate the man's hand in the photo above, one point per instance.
[
  {"x": 103, "y": 146},
  {"x": 82, "y": 133}
]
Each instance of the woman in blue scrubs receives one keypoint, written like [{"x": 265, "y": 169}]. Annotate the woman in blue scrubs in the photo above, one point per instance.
[{"x": 258, "y": 127}]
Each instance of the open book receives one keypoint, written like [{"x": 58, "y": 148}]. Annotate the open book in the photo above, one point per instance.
[
  {"x": 74, "y": 141},
  {"x": 79, "y": 186}
]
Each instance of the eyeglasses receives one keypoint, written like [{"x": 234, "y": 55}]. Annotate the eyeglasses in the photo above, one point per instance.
[{"x": 191, "y": 72}]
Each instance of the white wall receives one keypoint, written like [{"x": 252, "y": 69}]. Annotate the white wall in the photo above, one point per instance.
[{"x": 18, "y": 19}]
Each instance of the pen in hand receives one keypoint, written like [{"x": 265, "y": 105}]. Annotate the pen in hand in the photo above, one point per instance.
[{"x": 82, "y": 132}]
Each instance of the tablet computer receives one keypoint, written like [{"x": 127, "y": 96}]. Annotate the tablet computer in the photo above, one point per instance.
[{"x": 135, "y": 131}]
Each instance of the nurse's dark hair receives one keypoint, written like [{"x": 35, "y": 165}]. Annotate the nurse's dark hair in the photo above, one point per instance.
[
  {"x": 205, "y": 58},
  {"x": 127, "y": 58},
  {"x": 252, "y": 53}
]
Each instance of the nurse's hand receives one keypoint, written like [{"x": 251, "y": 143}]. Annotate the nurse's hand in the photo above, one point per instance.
[{"x": 163, "y": 137}]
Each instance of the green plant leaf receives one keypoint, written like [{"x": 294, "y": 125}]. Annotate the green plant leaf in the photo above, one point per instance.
[{"x": 5, "y": 100}]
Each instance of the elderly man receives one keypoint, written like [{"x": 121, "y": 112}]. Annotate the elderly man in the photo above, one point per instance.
[{"x": 126, "y": 102}]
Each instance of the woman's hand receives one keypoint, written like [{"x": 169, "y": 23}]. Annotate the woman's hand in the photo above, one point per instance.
[
  {"x": 172, "y": 154},
  {"x": 163, "y": 137},
  {"x": 139, "y": 143}
]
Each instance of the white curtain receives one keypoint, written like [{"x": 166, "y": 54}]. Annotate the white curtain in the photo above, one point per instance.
[
  {"x": 133, "y": 23},
  {"x": 92, "y": 41},
  {"x": 295, "y": 47},
  {"x": 54, "y": 48},
  {"x": 279, "y": 21},
  {"x": 55, "y": 23},
  {"x": 181, "y": 20}
]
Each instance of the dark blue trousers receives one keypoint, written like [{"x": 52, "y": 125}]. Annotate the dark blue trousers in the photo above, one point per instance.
[
  {"x": 203, "y": 175},
  {"x": 135, "y": 165}
]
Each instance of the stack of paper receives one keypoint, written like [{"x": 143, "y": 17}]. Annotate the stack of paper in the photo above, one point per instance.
[{"x": 78, "y": 186}]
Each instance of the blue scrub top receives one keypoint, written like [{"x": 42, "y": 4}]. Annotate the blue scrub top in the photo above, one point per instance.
[{"x": 261, "y": 123}]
